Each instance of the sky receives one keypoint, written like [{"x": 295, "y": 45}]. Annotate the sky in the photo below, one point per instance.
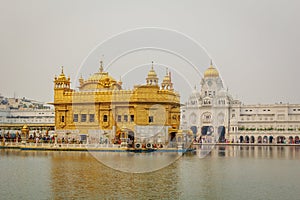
[{"x": 255, "y": 44}]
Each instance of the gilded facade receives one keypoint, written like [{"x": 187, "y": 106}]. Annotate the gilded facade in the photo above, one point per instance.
[{"x": 100, "y": 109}]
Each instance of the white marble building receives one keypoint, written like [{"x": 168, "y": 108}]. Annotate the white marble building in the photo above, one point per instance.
[
  {"x": 32, "y": 116},
  {"x": 214, "y": 116},
  {"x": 15, "y": 113}
]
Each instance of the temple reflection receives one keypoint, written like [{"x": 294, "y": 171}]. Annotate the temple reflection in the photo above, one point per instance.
[{"x": 78, "y": 174}]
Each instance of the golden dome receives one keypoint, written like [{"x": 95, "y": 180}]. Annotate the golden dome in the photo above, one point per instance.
[
  {"x": 167, "y": 78},
  {"x": 211, "y": 72},
  {"x": 99, "y": 80},
  {"x": 152, "y": 73},
  {"x": 62, "y": 75},
  {"x": 152, "y": 77},
  {"x": 99, "y": 76}
]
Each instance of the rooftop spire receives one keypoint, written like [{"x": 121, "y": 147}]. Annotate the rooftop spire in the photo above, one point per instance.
[
  {"x": 211, "y": 62},
  {"x": 152, "y": 77},
  {"x": 101, "y": 66},
  {"x": 167, "y": 82},
  {"x": 62, "y": 69}
]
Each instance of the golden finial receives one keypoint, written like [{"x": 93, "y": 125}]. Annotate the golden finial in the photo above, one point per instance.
[
  {"x": 152, "y": 65},
  {"x": 81, "y": 77},
  {"x": 62, "y": 69},
  {"x": 211, "y": 62},
  {"x": 101, "y": 66},
  {"x": 167, "y": 71},
  {"x": 81, "y": 80}
]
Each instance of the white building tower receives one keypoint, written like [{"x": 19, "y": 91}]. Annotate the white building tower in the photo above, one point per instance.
[{"x": 206, "y": 112}]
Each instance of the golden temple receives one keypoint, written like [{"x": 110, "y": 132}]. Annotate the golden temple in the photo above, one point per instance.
[{"x": 100, "y": 108}]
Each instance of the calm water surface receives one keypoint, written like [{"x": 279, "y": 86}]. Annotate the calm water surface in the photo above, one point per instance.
[{"x": 226, "y": 172}]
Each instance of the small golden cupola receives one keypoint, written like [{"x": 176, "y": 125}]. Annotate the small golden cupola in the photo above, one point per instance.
[
  {"x": 62, "y": 82},
  {"x": 211, "y": 72},
  {"x": 81, "y": 80},
  {"x": 152, "y": 77},
  {"x": 167, "y": 82}
]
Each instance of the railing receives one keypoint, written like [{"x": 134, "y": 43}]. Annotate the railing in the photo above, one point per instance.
[
  {"x": 11, "y": 143},
  {"x": 180, "y": 145},
  {"x": 60, "y": 145}
]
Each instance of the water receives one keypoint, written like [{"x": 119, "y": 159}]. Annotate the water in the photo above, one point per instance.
[{"x": 226, "y": 173}]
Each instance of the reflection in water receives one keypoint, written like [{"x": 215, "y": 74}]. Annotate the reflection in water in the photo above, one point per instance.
[
  {"x": 24, "y": 175},
  {"x": 85, "y": 176},
  {"x": 272, "y": 152},
  {"x": 227, "y": 172},
  {"x": 136, "y": 162}
]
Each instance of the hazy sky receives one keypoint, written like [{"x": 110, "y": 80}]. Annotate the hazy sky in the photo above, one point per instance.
[{"x": 255, "y": 44}]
